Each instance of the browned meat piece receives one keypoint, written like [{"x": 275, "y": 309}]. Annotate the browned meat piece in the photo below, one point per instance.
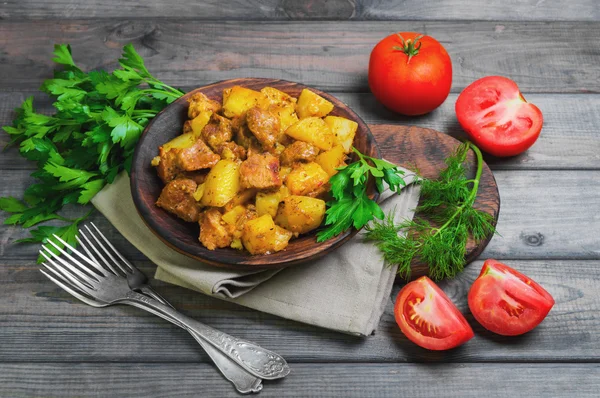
[
  {"x": 264, "y": 125},
  {"x": 167, "y": 169},
  {"x": 237, "y": 122},
  {"x": 187, "y": 127},
  {"x": 299, "y": 151},
  {"x": 176, "y": 197},
  {"x": 245, "y": 138},
  {"x": 214, "y": 232},
  {"x": 198, "y": 156},
  {"x": 200, "y": 102},
  {"x": 197, "y": 176},
  {"x": 260, "y": 171},
  {"x": 231, "y": 150},
  {"x": 218, "y": 131}
]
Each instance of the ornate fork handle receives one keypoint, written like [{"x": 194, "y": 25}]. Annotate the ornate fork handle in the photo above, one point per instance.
[{"x": 255, "y": 359}]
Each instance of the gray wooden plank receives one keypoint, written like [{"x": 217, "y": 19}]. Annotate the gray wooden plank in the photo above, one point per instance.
[
  {"x": 569, "y": 140},
  {"x": 541, "y": 215},
  {"x": 541, "y": 57},
  {"x": 306, "y": 380},
  {"x": 518, "y": 10},
  {"x": 42, "y": 323}
]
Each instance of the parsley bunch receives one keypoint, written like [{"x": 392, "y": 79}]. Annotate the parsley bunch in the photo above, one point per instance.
[
  {"x": 351, "y": 205},
  {"x": 86, "y": 143},
  {"x": 444, "y": 222}
]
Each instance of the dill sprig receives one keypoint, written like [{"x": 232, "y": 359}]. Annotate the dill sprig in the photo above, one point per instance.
[{"x": 444, "y": 222}]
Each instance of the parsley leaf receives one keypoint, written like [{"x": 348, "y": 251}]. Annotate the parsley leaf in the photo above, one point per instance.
[
  {"x": 86, "y": 143},
  {"x": 351, "y": 206}
]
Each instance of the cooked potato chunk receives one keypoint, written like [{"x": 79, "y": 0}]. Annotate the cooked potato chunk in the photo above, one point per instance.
[
  {"x": 222, "y": 183},
  {"x": 262, "y": 236},
  {"x": 278, "y": 97},
  {"x": 332, "y": 159},
  {"x": 312, "y": 130},
  {"x": 312, "y": 105},
  {"x": 237, "y": 100},
  {"x": 287, "y": 116},
  {"x": 233, "y": 215},
  {"x": 180, "y": 142},
  {"x": 199, "y": 122},
  {"x": 268, "y": 202},
  {"x": 300, "y": 214},
  {"x": 306, "y": 178},
  {"x": 343, "y": 129}
]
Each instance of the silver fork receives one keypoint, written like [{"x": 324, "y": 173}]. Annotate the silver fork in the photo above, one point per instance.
[{"x": 89, "y": 281}]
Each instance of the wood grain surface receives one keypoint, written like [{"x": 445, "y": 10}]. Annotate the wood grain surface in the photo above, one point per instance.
[
  {"x": 53, "y": 346},
  {"x": 559, "y": 57},
  {"x": 183, "y": 236},
  {"x": 270, "y": 10}
]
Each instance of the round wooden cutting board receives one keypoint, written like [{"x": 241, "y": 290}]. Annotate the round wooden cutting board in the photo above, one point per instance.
[{"x": 425, "y": 149}]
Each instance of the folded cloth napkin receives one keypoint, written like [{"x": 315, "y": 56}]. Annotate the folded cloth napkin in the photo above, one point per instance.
[{"x": 347, "y": 290}]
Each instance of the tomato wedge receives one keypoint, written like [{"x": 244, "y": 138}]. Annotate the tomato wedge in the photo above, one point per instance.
[
  {"x": 428, "y": 318},
  {"x": 497, "y": 118},
  {"x": 507, "y": 302}
]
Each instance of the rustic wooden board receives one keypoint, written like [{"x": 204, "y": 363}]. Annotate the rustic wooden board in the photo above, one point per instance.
[
  {"x": 387, "y": 10},
  {"x": 307, "y": 380},
  {"x": 540, "y": 57},
  {"x": 42, "y": 323},
  {"x": 569, "y": 139},
  {"x": 424, "y": 150}
]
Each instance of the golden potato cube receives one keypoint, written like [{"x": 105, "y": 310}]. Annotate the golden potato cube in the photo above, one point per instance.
[
  {"x": 332, "y": 159},
  {"x": 232, "y": 216},
  {"x": 222, "y": 183},
  {"x": 306, "y": 178},
  {"x": 236, "y": 243},
  {"x": 312, "y": 130},
  {"x": 262, "y": 236},
  {"x": 287, "y": 116},
  {"x": 241, "y": 198},
  {"x": 199, "y": 192},
  {"x": 182, "y": 141},
  {"x": 311, "y": 104},
  {"x": 284, "y": 171},
  {"x": 300, "y": 213},
  {"x": 278, "y": 97},
  {"x": 268, "y": 202},
  {"x": 237, "y": 100},
  {"x": 343, "y": 129},
  {"x": 199, "y": 122}
]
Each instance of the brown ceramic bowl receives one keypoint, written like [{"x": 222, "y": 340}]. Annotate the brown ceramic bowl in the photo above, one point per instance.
[{"x": 183, "y": 236}]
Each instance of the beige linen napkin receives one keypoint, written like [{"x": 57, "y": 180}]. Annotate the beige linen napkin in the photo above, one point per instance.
[{"x": 347, "y": 290}]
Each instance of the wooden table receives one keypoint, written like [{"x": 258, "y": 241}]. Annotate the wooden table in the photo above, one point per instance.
[{"x": 52, "y": 345}]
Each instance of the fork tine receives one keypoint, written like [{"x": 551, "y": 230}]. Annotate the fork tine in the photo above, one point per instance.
[
  {"x": 131, "y": 267},
  {"x": 86, "y": 259},
  {"x": 65, "y": 274},
  {"x": 84, "y": 277},
  {"x": 67, "y": 255},
  {"x": 103, "y": 247},
  {"x": 71, "y": 291},
  {"x": 90, "y": 244}
]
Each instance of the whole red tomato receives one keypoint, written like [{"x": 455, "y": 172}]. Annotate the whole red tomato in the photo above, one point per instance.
[
  {"x": 410, "y": 73},
  {"x": 497, "y": 118},
  {"x": 507, "y": 302}
]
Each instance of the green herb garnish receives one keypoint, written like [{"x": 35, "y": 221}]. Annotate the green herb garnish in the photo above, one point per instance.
[
  {"x": 448, "y": 202},
  {"x": 351, "y": 205},
  {"x": 86, "y": 143}
]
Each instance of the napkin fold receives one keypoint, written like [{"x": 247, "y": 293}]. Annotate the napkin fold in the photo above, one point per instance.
[{"x": 346, "y": 290}]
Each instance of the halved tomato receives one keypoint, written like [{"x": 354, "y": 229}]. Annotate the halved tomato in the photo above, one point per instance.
[
  {"x": 428, "y": 318},
  {"x": 497, "y": 118},
  {"x": 507, "y": 302}
]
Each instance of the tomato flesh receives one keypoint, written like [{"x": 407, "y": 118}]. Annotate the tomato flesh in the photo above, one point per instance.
[
  {"x": 428, "y": 318},
  {"x": 507, "y": 302},
  {"x": 497, "y": 117}
]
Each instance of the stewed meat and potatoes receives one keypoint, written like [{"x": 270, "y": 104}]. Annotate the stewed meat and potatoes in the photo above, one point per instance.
[{"x": 253, "y": 171}]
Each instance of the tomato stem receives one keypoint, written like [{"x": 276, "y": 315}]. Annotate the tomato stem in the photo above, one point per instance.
[{"x": 409, "y": 47}]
